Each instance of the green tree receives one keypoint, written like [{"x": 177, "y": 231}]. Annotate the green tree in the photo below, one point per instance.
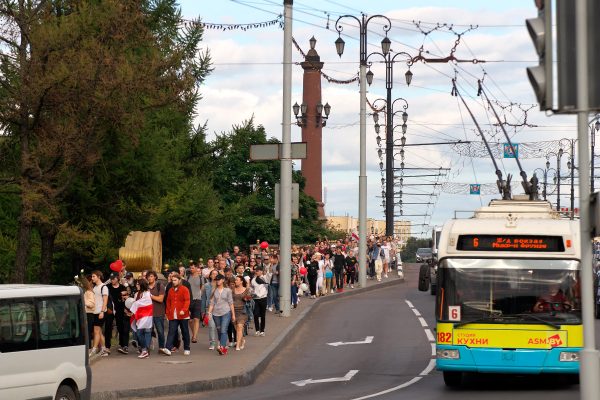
[
  {"x": 409, "y": 252},
  {"x": 71, "y": 90}
]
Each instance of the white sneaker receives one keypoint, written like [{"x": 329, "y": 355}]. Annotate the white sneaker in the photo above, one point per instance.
[
  {"x": 262, "y": 334},
  {"x": 270, "y": 308},
  {"x": 351, "y": 286},
  {"x": 186, "y": 353},
  {"x": 257, "y": 333},
  {"x": 385, "y": 276},
  {"x": 211, "y": 347},
  {"x": 166, "y": 352}
]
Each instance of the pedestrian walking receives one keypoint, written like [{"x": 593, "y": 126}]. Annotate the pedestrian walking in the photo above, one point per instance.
[
  {"x": 157, "y": 294},
  {"x": 178, "y": 314},
  {"x": 195, "y": 281},
  {"x": 260, "y": 292},
  {"x": 241, "y": 294},
  {"x": 207, "y": 291},
  {"x": 313, "y": 275},
  {"x": 141, "y": 321},
  {"x": 350, "y": 265},
  {"x": 339, "y": 262},
  {"x": 328, "y": 273},
  {"x": 100, "y": 301},
  {"x": 222, "y": 311}
]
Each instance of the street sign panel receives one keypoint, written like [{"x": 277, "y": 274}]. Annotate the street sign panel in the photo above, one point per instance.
[
  {"x": 508, "y": 152},
  {"x": 295, "y": 200},
  {"x": 273, "y": 151}
]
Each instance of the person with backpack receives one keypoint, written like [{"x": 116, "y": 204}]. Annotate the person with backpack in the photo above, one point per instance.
[{"x": 100, "y": 301}]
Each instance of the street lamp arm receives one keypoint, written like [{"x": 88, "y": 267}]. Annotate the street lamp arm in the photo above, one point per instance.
[
  {"x": 409, "y": 61},
  {"x": 379, "y": 100},
  {"x": 386, "y": 27},
  {"x": 339, "y": 27},
  {"x": 405, "y": 106}
]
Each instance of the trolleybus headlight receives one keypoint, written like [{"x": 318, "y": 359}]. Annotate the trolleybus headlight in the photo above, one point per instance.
[
  {"x": 450, "y": 354},
  {"x": 569, "y": 356}
]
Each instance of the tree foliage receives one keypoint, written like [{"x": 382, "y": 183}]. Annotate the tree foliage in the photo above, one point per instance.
[{"x": 409, "y": 253}]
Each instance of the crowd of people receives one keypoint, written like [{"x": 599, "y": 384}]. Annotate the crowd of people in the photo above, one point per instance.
[{"x": 229, "y": 295}]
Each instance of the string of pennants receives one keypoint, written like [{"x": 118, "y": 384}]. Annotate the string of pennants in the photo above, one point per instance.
[
  {"x": 243, "y": 27},
  {"x": 323, "y": 74}
]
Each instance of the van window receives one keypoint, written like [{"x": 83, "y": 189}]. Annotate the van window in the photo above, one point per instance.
[
  {"x": 60, "y": 322},
  {"x": 17, "y": 326}
]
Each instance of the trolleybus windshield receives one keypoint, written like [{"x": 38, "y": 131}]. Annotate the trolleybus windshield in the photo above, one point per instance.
[{"x": 509, "y": 291}]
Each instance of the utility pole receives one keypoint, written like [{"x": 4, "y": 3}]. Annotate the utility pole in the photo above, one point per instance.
[
  {"x": 589, "y": 363},
  {"x": 285, "y": 217}
]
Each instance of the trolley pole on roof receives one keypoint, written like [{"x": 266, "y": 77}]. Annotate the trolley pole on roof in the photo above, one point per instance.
[{"x": 589, "y": 361}]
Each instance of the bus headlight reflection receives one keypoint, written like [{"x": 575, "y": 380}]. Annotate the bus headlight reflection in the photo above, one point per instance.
[
  {"x": 569, "y": 356},
  {"x": 448, "y": 354}
]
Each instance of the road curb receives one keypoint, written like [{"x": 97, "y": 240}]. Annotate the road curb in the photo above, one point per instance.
[{"x": 245, "y": 378}]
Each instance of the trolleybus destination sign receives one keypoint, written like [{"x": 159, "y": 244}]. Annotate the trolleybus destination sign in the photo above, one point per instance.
[{"x": 510, "y": 243}]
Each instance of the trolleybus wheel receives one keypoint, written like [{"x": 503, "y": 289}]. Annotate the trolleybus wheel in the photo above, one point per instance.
[{"x": 452, "y": 378}]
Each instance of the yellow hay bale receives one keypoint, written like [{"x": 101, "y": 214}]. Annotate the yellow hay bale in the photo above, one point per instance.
[{"x": 142, "y": 250}]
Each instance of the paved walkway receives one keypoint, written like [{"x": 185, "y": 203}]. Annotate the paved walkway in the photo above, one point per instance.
[{"x": 125, "y": 376}]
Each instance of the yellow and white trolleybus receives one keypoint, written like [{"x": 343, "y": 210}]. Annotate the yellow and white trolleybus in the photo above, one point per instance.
[{"x": 508, "y": 292}]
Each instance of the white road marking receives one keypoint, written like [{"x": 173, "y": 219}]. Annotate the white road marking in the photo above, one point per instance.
[
  {"x": 423, "y": 373},
  {"x": 344, "y": 378},
  {"x": 429, "y": 335},
  {"x": 429, "y": 367},
  {"x": 406, "y": 384},
  {"x": 368, "y": 339}
]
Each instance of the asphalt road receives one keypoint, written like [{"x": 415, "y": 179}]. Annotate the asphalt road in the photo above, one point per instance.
[{"x": 396, "y": 364}]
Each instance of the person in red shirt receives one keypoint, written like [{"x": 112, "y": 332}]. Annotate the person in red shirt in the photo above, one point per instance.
[{"x": 178, "y": 314}]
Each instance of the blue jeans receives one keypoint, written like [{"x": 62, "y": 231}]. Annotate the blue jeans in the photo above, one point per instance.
[
  {"x": 222, "y": 323},
  {"x": 184, "y": 325},
  {"x": 145, "y": 338},
  {"x": 159, "y": 325},
  {"x": 274, "y": 292},
  {"x": 294, "y": 290}
]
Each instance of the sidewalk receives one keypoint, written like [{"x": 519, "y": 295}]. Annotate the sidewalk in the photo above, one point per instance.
[{"x": 125, "y": 376}]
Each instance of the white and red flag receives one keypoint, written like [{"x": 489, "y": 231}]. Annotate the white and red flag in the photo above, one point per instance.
[{"x": 141, "y": 310}]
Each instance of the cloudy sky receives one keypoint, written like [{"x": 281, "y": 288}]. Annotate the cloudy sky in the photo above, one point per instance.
[{"x": 247, "y": 82}]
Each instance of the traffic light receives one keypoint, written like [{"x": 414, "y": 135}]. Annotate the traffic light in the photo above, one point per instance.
[{"x": 540, "y": 30}]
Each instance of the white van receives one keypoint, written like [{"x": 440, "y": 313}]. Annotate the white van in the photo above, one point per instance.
[{"x": 43, "y": 343}]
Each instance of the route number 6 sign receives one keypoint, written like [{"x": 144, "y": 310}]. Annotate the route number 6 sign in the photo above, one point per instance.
[{"x": 454, "y": 313}]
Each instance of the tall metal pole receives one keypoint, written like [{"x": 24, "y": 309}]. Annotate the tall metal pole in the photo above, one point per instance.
[
  {"x": 362, "y": 177},
  {"x": 593, "y": 139},
  {"x": 558, "y": 157},
  {"x": 285, "y": 217},
  {"x": 573, "y": 179},
  {"x": 389, "y": 154},
  {"x": 545, "y": 182},
  {"x": 589, "y": 356}
]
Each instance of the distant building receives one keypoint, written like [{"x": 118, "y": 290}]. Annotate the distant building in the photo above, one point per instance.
[{"x": 349, "y": 224}]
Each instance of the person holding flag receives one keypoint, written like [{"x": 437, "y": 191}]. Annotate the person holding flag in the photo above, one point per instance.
[{"x": 141, "y": 317}]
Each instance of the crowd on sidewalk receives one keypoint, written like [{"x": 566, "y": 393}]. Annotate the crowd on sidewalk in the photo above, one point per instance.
[{"x": 227, "y": 295}]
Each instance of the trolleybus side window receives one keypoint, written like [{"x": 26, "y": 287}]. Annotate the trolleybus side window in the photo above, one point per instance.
[
  {"x": 60, "y": 322},
  {"x": 17, "y": 326}
]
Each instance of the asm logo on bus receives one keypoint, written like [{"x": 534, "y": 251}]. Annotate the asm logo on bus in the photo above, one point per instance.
[{"x": 510, "y": 243}]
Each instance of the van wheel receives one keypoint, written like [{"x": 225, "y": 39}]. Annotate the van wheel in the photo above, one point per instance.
[
  {"x": 65, "y": 392},
  {"x": 452, "y": 378}
]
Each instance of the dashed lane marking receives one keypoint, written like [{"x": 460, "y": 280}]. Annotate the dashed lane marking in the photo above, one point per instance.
[{"x": 423, "y": 373}]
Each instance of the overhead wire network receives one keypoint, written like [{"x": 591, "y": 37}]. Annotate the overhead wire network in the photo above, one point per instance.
[{"x": 514, "y": 114}]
